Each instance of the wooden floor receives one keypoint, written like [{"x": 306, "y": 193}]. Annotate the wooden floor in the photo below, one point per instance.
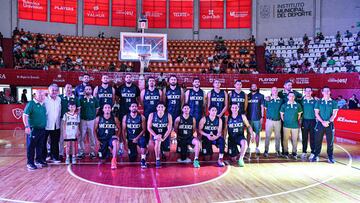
[{"x": 261, "y": 180}]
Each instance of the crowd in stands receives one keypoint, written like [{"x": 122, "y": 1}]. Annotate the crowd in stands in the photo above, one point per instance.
[
  {"x": 319, "y": 54},
  {"x": 351, "y": 103},
  {"x": 2, "y": 65}
]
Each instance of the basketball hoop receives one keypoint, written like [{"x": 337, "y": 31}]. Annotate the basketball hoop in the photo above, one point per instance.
[{"x": 144, "y": 62}]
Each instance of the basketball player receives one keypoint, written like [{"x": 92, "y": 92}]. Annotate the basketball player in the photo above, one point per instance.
[
  {"x": 80, "y": 89},
  {"x": 133, "y": 131},
  {"x": 218, "y": 98},
  {"x": 185, "y": 128},
  {"x": 104, "y": 92},
  {"x": 210, "y": 128},
  {"x": 196, "y": 99},
  {"x": 127, "y": 93},
  {"x": 174, "y": 98},
  {"x": 159, "y": 126},
  {"x": 150, "y": 97},
  {"x": 235, "y": 128},
  {"x": 237, "y": 96},
  {"x": 107, "y": 130}
]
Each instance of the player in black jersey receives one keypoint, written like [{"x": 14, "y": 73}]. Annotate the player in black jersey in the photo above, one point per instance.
[
  {"x": 174, "y": 97},
  {"x": 236, "y": 124},
  {"x": 104, "y": 92},
  {"x": 107, "y": 130},
  {"x": 196, "y": 98},
  {"x": 150, "y": 97},
  {"x": 159, "y": 126},
  {"x": 210, "y": 128},
  {"x": 239, "y": 97},
  {"x": 133, "y": 131},
  {"x": 185, "y": 128},
  {"x": 127, "y": 94},
  {"x": 218, "y": 98}
]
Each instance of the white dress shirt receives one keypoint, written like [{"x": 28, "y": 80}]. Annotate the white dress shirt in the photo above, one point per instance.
[{"x": 53, "y": 111}]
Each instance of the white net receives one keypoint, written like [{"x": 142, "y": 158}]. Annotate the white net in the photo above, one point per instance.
[{"x": 144, "y": 62}]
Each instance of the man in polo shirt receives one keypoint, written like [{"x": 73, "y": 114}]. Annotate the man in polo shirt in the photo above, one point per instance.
[
  {"x": 308, "y": 123},
  {"x": 255, "y": 114},
  {"x": 34, "y": 119},
  {"x": 290, "y": 114},
  {"x": 89, "y": 107},
  {"x": 273, "y": 123},
  {"x": 80, "y": 89},
  {"x": 325, "y": 112},
  {"x": 67, "y": 97},
  {"x": 53, "y": 110}
]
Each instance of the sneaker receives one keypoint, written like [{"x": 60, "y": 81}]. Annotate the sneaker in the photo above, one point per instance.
[
  {"x": 56, "y": 161},
  {"x": 38, "y": 165},
  {"x": 257, "y": 152},
  {"x": 311, "y": 156},
  {"x": 331, "y": 160},
  {"x": 73, "y": 160},
  {"x": 102, "y": 161},
  {"x": 315, "y": 159},
  {"x": 92, "y": 155},
  {"x": 158, "y": 164},
  {"x": 303, "y": 156},
  {"x": 241, "y": 163},
  {"x": 113, "y": 163},
  {"x": 163, "y": 157},
  {"x": 61, "y": 157},
  {"x": 294, "y": 156},
  {"x": 266, "y": 155},
  {"x": 31, "y": 167},
  {"x": 248, "y": 150},
  {"x": 179, "y": 160},
  {"x": 67, "y": 161},
  {"x": 278, "y": 154},
  {"x": 286, "y": 156},
  {"x": 220, "y": 163},
  {"x": 196, "y": 163},
  {"x": 143, "y": 163},
  {"x": 41, "y": 164},
  {"x": 81, "y": 155}
]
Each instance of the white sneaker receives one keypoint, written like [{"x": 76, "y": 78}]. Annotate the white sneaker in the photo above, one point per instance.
[
  {"x": 67, "y": 161},
  {"x": 257, "y": 151},
  {"x": 73, "y": 160},
  {"x": 248, "y": 150},
  {"x": 187, "y": 160},
  {"x": 311, "y": 156},
  {"x": 303, "y": 156}
]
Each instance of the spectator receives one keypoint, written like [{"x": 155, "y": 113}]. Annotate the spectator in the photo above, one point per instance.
[
  {"x": 29, "y": 36},
  {"x": 123, "y": 67},
  {"x": 252, "y": 63},
  {"x": 179, "y": 59},
  {"x": 252, "y": 39},
  {"x": 348, "y": 34},
  {"x": 267, "y": 42},
  {"x": 2, "y": 98},
  {"x": 200, "y": 59},
  {"x": 8, "y": 97},
  {"x": 24, "y": 39},
  {"x": 281, "y": 42},
  {"x": 243, "y": 51},
  {"x": 111, "y": 67},
  {"x": 22, "y": 32},
  {"x": 59, "y": 38},
  {"x": 161, "y": 81},
  {"x": 338, "y": 36},
  {"x": 341, "y": 102},
  {"x": 353, "y": 102},
  {"x": 305, "y": 38},
  {"x": 185, "y": 59},
  {"x": 39, "y": 38},
  {"x": 2, "y": 64},
  {"x": 291, "y": 42},
  {"x": 16, "y": 31},
  {"x": 24, "y": 99},
  {"x": 331, "y": 62},
  {"x": 101, "y": 35},
  {"x": 350, "y": 52},
  {"x": 1, "y": 52},
  {"x": 1, "y": 38},
  {"x": 216, "y": 68},
  {"x": 78, "y": 61},
  {"x": 329, "y": 52}
]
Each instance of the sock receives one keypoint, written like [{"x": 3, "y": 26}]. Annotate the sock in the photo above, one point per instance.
[
  {"x": 67, "y": 156},
  {"x": 143, "y": 156},
  {"x": 196, "y": 158},
  {"x": 221, "y": 156},
  {"x": 157, "y": 159}
]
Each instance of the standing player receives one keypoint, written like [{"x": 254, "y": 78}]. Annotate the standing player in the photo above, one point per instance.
[
  {"x": 308, "y": 123},
  {"x": 159, "y": 126},
  {"x": 105, "y": 93},
  {"x": 210, "y": 128},
  {"x": 174, "y": 98},
  {"x": 133, "y": 130},
  {"x": 128, "y": 93},
  {"x": 196, "y": 99},
  {"x": 185, "y": 128},
  {"x": 235, "y": 128},
  {"x": 237, "y": 96},
  {"x": 107, "y": 130},
  {"x": 80, "y": 89},
  {"x": 150, "y": 97},
  {"x": 325, "y": 111},
  {"x": 219, "y": 99},
  {"x": 255, "y": 114}
]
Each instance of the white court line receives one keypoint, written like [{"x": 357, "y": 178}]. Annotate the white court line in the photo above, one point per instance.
[
  {"x": 297, "y": 189},
  {"x": 14, "y": 200},
  {"x": 147, "y": 188}
]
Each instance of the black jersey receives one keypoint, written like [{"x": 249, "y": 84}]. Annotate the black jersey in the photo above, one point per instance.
[
  {"x": 133, "y": 126},
  {"x": 196, "y": 103},
  {"x": 159, "y": 125},
  {"x": 106, "y": 128},
  {"x": 105, "y": 96},
  {"x": 173, "y": 101},
  {"x": 218, "y": 100},
  {"x": 185, "y": 129},
  {"x": 127, "y": 96},
  {"x": 238, "y": 99},
  {"x": 151, "y": 100},
  {"x": 211, "y": 126},
  {"x": 235, "y": 126}
]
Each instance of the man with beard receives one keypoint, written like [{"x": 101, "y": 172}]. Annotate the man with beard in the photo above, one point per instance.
[
  {"x": 105, "y": 93},
  {"x": 174, "y": 97},
  {"x": 219, "y": 99},
  {"x": 196, "y": 99},
  {"x": 255, "y": 114},
  {"x": 237, "y": 96},
  {"x": 80, "y": 89},
  {"x": 133, "y": 131},
  {"x": 128, "y": 93}
]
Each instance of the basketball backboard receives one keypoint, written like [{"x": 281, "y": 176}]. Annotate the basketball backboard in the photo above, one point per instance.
[{"x": 134, "y": 44}]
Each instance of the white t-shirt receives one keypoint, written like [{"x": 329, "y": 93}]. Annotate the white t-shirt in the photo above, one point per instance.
[{"x": 71, "y": 125}]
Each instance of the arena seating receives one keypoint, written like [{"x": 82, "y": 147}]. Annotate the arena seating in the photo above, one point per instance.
[
  {"x": 97, "y": 52},
  {"x": 314, "y": 52}
]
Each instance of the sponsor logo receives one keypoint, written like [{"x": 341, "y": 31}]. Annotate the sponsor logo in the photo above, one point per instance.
[
  {"x": 338, "y": 80},
  {"x": 59, "y": 79},
  {"x": 32, "y": 4},
  {"x": 239, "y": 14},
  {"x": 95, "y": 13},
  {"x": 2, "y": 76},
  {"x": 302, "y": 81},
  {"x": 17, "y": 113},
  {"x": 211, "y": 15},
  {"x": 181, "y": 14},
  {"x": 64, "y": 8},
  {"x": 125, "y": 13},
  {"x": 154, "y": 14},
  {"x": 31, "y": 77},
  {"x": 268, "y": 80},
  {"x": 265, "y": 11},
  {"x": 344, "y": 120}
]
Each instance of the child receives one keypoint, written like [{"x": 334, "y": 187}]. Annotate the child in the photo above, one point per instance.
[{"x": 70, "y": 127}]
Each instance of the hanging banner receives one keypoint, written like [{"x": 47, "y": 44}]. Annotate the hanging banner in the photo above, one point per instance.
[
  {"x": 155, "y": 12},
  {"x": 32, "y": 9},
  {"x": 211, "y": 14},
  {"x": 124, "y": 13},
  {"x": 96, "y": 12},
  {"x": 181, "y": 13},
  {"x": 238, "y": 14},
  {"x": 63, "y": 11}
]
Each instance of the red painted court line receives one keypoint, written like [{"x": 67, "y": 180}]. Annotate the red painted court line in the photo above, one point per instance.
[{"x": 155, "y": 186}]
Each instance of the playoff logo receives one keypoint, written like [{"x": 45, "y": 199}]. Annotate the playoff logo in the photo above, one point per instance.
[{"x": 17, "y": 113}]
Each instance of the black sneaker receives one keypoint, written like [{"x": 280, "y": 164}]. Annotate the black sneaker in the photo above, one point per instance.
[
  {"x": 266, "y": 155},
  {"x": 81, "y": 155},
  {"x": 315, "y": 159},
  {"x": 31, "y": 167},
  {"x": 158, "y": 164},
  {"x": 43, "y": 164},
  {"x": 143, "y": 163},
  {"x": 331, "y": 160},
  {"x": 92, "y": 155},
  {"x": 163, "y": 157}
]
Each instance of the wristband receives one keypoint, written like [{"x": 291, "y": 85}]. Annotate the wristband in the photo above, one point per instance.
[{"x": 27, "y": 126}]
